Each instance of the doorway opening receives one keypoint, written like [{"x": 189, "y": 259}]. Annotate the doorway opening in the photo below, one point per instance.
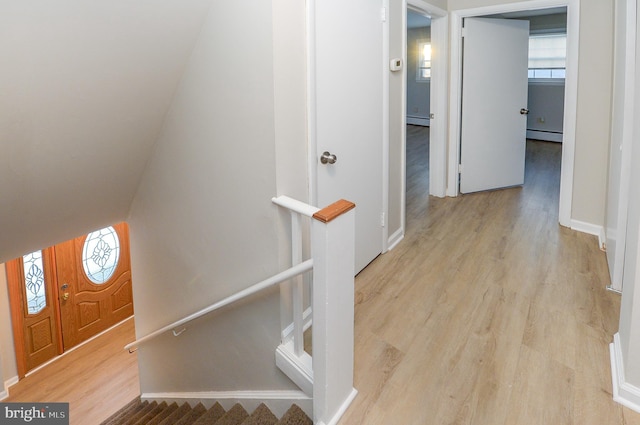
[
  {"x": 64, "y": 295},
  {"x": 512, "y": 62},
  {"x": 570, "y": 93}
]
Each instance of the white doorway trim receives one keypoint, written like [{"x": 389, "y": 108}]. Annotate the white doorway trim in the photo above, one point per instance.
[
  {"x": 438, "y": 101},
  {"x": 570, "y": 102}
]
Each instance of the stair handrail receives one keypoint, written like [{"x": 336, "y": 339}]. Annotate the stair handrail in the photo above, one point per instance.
[
  {"x": 264, "y": 284},
  {"x": 295, "y": 205}
]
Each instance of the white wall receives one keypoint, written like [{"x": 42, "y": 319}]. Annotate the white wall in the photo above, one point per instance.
[
  {"x": 202, "y": 223},
  {"x": 418, "y": 92},
  {"x": 593, "y": 129},
  {"x": 85, "y": 87},
  {"x": 8, "y": 367}
]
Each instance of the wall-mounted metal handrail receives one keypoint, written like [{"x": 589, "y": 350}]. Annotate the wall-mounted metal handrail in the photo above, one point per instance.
[
  {"x": 295, "y": 205},
  {"x": 273, "y": 280}
]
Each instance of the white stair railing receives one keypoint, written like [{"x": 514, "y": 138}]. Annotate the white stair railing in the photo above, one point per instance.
[{"x": 328, "y": 376}]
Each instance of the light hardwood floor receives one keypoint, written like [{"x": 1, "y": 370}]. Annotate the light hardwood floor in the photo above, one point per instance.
[
  {"x": 96, "y": 379},
  {"x": 487, "y": 313}
]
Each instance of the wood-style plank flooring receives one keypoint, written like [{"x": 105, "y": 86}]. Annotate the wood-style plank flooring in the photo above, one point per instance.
[
  {"x": 488, "y": 312},
  {"x": 96, "y": 379}
]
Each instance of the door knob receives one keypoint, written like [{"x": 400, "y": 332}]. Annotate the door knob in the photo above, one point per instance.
[
  {"x": 328, "y": 158},
  {"x": 65, "y": 296},
  {"x": 524, "y": 111}
]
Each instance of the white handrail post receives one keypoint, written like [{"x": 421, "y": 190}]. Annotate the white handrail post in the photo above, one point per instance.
[
  {"x": 332, "y": 247},
  {"x": 296, "y": 287}
]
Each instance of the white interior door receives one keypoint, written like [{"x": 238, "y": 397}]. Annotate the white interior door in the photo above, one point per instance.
[
  {"x": 346, "y": 113},
  {"x": 494, "y": 102}
]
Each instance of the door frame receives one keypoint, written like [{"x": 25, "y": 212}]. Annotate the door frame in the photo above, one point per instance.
[
  {"x": 626, "y": 142},
  {"x": 437, "y": 102},
  {"x": 570, "y": 100}
]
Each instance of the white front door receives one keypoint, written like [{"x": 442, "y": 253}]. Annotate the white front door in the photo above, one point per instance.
[
  {"x": 494, "y": 102},
  {"x": 346, "y": 113}
]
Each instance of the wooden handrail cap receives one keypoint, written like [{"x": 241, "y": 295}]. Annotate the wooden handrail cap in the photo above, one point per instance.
[{"x": 334, "y": 210}]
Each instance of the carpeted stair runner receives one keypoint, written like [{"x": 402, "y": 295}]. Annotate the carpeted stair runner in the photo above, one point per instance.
[{"x": 139, "y": 412}]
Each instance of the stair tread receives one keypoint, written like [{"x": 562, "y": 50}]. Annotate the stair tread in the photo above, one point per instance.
[
  {"x": 163, "y": 415},
  {"x": 295, "y": 416},
  {"x": 132, "y": 419},
  {"x": 234, "y": 416},
  {"x": 138, "y": 412},
  {"x": 212, "y": 415},
  {"x": 144, "y": 420},
  {"x": 176, "y": 415},
  {"x": 191, "y": 416},
  {"x": 261, "y": 416},
  {"x": 123, "y": 412}
]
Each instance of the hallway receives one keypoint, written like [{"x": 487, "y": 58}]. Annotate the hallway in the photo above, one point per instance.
[{"x": 487, "y": 313}]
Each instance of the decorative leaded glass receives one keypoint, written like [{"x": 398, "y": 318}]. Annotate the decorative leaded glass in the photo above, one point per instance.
[
  {"x": 100, "y": 254},
  {"x": 34, "y": 284}
]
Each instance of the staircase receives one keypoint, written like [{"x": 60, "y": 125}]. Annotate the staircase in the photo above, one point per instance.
[{"x": 138, "y": 412}]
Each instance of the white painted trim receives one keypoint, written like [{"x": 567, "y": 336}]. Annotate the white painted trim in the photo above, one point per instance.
[
  {"x": 438, "y": 106},
  {"x": 334, "y": 420},
  {"x": 623, "y": 392},
  {"x": 307, "y": 318},
  {"x": 602, "y": 239},
  {"x": 438, "y": 100},
  {"x": 547, "y": 136},
  {"x": 570, "y": 112},
  {"x": 422, "y": 6},
  {"x": 627, "y": 142},
  {"x": 278, "y": 401},
  {"x": 395, "y": 239},
  {"x": 589, "y": 228},
  {"x": 7, "y": 384},
  {"x": 425, "y": 122},
  {"x": 385, "y": 126},
  {"x": 298, "y": 369},
  {"x": 570, "y": 102}
]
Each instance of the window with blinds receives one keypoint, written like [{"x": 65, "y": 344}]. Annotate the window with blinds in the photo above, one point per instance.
[
  {"x": 424, "y": 61},
  {"x": 547, "y": 56}
]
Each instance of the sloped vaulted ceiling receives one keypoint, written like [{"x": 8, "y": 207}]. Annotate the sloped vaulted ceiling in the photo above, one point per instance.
[{"x": 84, "y": 88}]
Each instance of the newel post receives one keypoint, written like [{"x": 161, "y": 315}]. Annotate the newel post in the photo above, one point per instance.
[{"x": 333, "y": 244}]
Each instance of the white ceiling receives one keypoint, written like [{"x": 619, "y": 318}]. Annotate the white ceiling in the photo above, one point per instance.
[{"x": 84, "y": 88}]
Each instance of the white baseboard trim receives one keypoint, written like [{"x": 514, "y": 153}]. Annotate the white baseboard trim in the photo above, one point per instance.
[
  {"x": 425, "y": 122},
  {"x": 278, "y": 401},
  {"x": 544, "y": 135},
  {"x": 592, "y": 229},
  {"x": 343, "y": 408},
  {"x": 8, "y": 383},
  {"x": 623, "y": 392},
  {"x": 395, "y": 239},
  {"x": 298, "y": 369}
]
